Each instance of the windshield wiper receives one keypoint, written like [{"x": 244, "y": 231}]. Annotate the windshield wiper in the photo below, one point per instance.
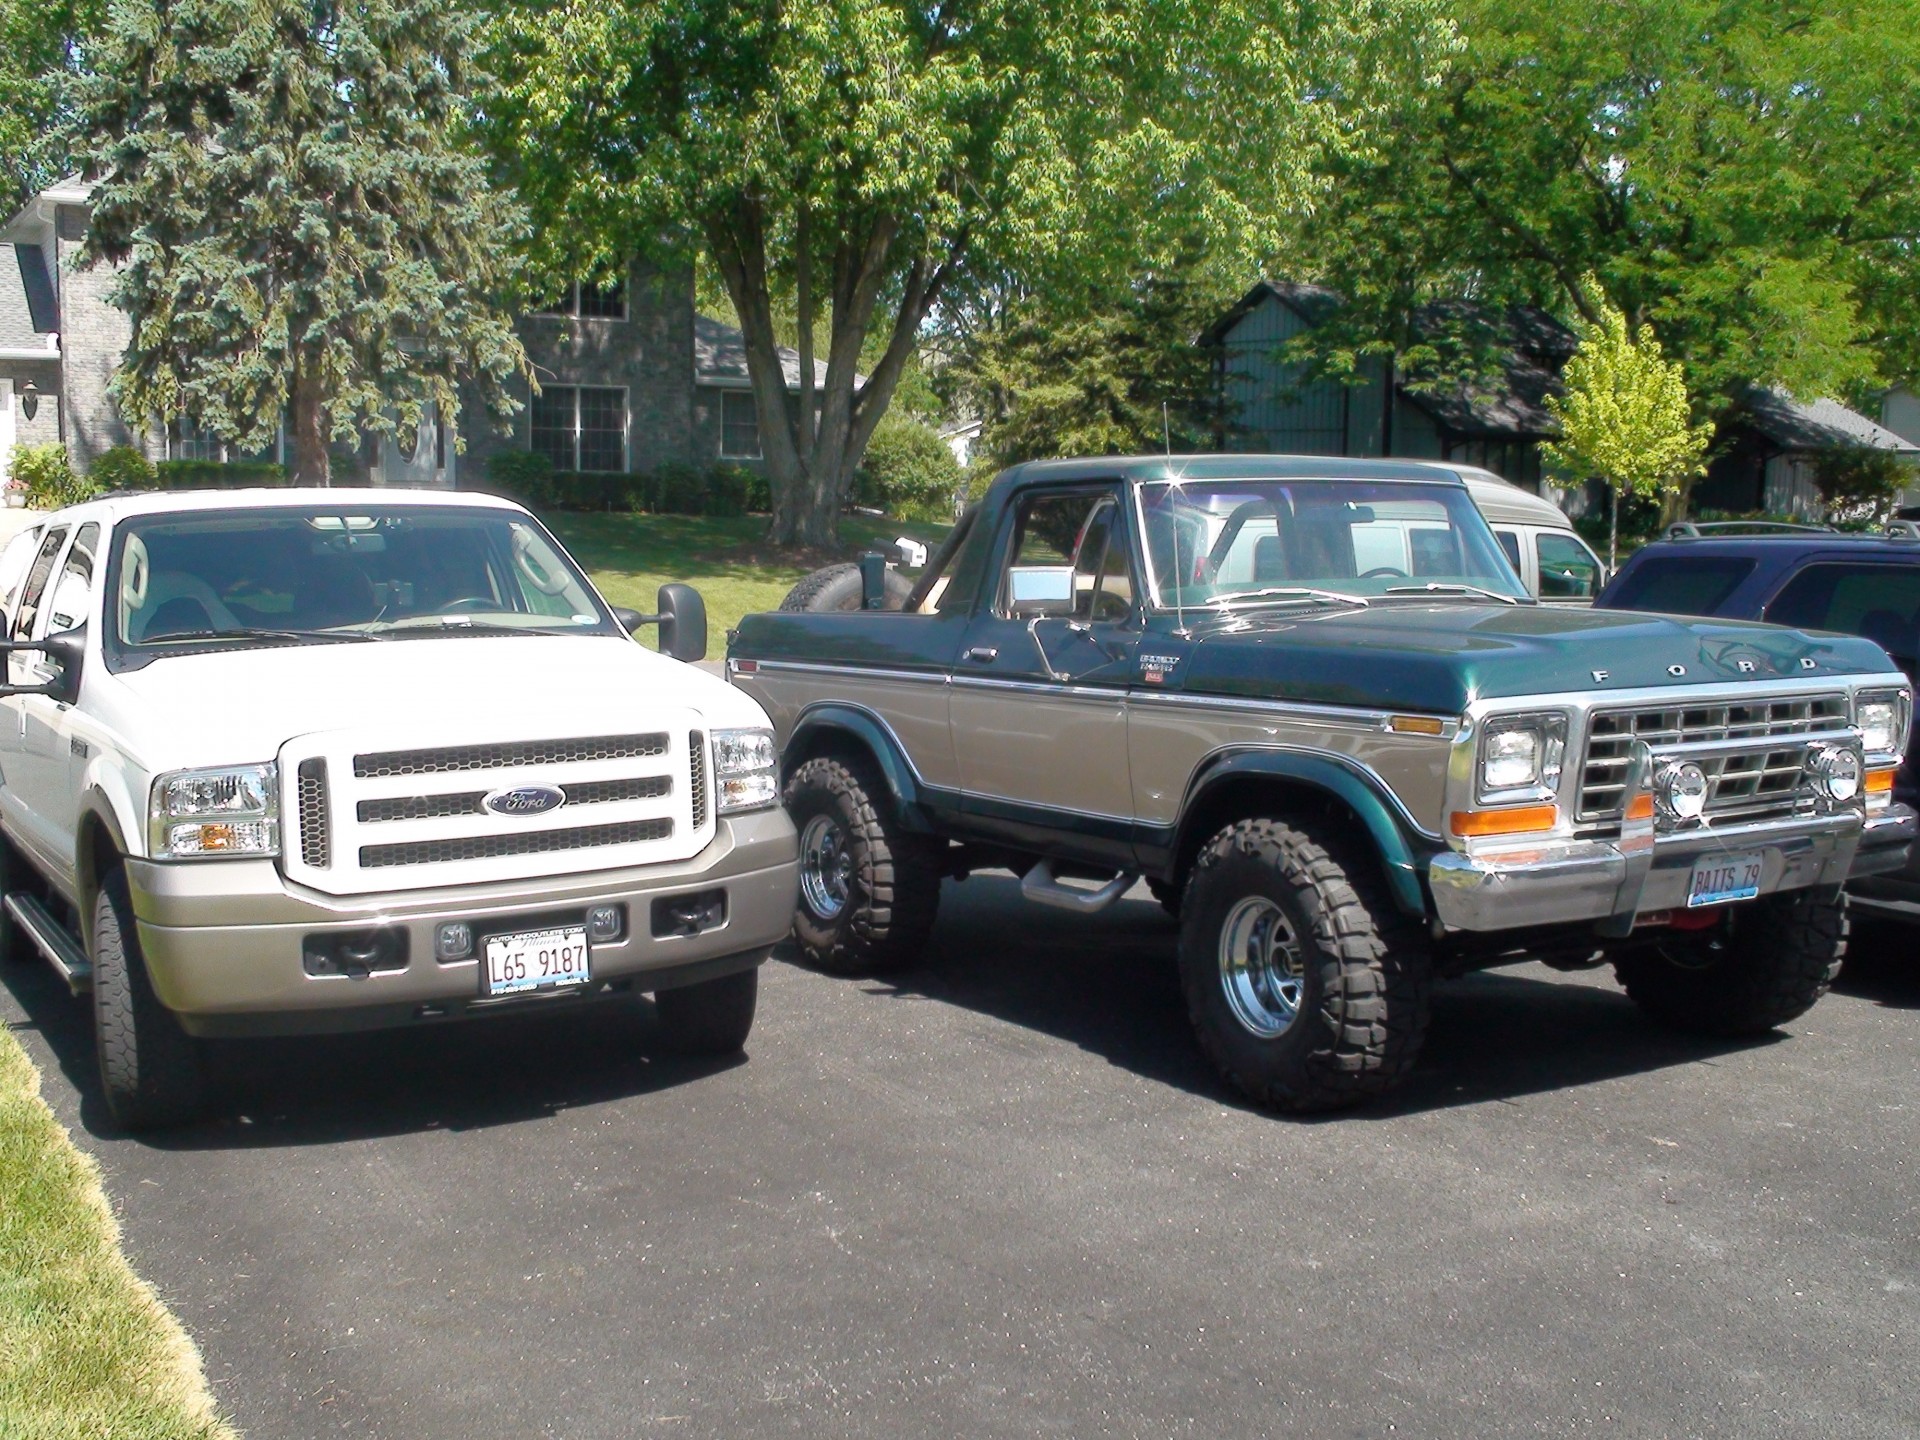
[
  {"x": 261, "y": 632},
  {"x": 461, "y": 625},
  {"x": 1308, "y": 594},
  {"x": 1452, "y": 587}
]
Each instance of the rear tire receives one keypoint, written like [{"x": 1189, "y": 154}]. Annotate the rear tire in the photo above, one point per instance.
[
  {"x": 1767, "y": 963},
  {"x": 149, "y": 1065},
  {"x": 839, "y": 587},
  {"x": 711, "y": 1018},
  {"x": 869, "y": 890},
  {"x": 1306, "y": 985}
]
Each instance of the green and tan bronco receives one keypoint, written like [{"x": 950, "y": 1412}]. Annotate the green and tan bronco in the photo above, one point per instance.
[{"x": 1311, "y": 704}]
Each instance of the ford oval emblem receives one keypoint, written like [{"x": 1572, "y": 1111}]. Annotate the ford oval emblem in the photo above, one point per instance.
[{"x": 526, "y": 800}]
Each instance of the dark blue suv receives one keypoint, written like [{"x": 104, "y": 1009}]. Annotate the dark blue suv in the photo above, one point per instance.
[{"x": 1808, "y": 577}]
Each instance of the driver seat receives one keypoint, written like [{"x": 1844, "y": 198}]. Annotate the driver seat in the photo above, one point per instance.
[{"x": 1269, "y": 559}]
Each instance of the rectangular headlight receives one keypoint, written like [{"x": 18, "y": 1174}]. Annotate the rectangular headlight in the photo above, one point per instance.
[
  {"x": 233, "y": 810},
  {"x": 1520, "y": 758},
  {"x": 1884, "y": 718},
  {"x": 746, "y": 770}
]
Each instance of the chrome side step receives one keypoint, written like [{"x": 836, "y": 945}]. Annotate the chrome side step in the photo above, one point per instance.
[
  {"x": 1043, "y": 886},
  {"x": 50, "y": 937}
]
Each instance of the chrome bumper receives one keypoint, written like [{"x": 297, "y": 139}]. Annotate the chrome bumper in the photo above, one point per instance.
[
  {"x": 226, "y": 942},
  {"x": 1611, "y": 881}
]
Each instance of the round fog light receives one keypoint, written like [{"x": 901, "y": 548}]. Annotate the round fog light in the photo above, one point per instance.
[
  {"x": 1836, "y": 772},
  {"x": 1680, "y": 790}
]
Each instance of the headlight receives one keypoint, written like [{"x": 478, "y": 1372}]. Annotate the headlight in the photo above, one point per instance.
[
  {"x": 1520, "y": 757},
  {"x": 1883, "y": 717},
  {"x": 230, "y": 811},
  {"x": 746, "y": 770}
]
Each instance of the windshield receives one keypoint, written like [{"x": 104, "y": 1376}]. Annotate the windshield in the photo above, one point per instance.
[
  {"x": 315, "y": 575},
  {"x": 1227, "y": 542}
]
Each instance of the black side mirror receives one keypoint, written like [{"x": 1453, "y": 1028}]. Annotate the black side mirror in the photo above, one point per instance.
[
  {"x": 64, "y": 653},
  {"x": 682, "y": 621}
]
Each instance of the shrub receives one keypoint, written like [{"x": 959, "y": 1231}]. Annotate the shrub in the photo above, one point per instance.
[
  {"x": 726, "y": 491},
  {"x": 1858, "y": 482},
  {"x": 48, "y": 477},
  {"x": 521, "y": 475},
  {"x": 217, "y": 474},
  {"x": 677, "y": 489},
  {"x": 122, "y": 468},
  {"x": 910, "y": 470}
]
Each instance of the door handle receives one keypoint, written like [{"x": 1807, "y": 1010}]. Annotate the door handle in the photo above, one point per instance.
[{"x": 983, "y": 654}]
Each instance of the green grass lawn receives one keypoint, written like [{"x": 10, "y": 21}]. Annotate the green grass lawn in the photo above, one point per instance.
[
  {"x": 87, "y": 1351},
  {"x": 631, "y": 556}
]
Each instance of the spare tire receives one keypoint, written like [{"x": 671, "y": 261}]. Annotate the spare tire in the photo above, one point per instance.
[{"x": 837, "y": 587}]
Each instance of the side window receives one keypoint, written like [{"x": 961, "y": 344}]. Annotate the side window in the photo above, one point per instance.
[
  {"x": 1681, "y": 584},
  {"x": 1881, "y": 602},
  {"x": 1510, "y": 542},
  {"x": 1568, "y": 570},
  {"x": 1069, "y": 558},
  {"x": 73, "y": 592},
  {"x": 36, "y": 586},
  {"x": 15, "y": 561}
]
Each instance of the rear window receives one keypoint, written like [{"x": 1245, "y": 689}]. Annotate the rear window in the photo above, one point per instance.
[{"x": 1680, "y": 584}]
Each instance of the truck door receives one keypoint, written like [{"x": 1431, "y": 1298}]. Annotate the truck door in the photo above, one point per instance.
[
  {"x": 70, "y": 734},
  {"x": 1038, "y": 699},
  {"x": 27, "y": 778}
]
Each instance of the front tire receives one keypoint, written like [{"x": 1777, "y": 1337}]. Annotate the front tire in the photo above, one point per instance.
[
  {"x": 1765, "y": 964},
  {"x": 149, "y": 1066},
  {"x": 1306, "y": 985},
  {"x": 713, "y": 1017},
  {"x": 869, "y": 890}
]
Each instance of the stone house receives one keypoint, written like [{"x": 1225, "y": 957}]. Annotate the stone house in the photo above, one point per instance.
[{"x": 631, "y": 377}]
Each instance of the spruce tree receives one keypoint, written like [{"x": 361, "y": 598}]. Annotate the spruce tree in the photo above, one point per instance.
[{"x": 302, "y": 225}]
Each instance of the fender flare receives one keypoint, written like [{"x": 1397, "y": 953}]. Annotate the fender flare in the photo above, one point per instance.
[
  {"x": 1385, "y": 819},
  {"x": 834, "y": 718}
]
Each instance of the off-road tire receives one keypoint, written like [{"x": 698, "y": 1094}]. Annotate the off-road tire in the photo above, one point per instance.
[
  {"x": 1365, "y": 969},
  {"x": 713, "y": 1017},
  {"x": 839, "y": 587},
  {"x": 892, "y": 881},
  {"x": 1167, "y": 894},
  {"x": 149, "y": 1066},
  {"x": 1767, "y": 963}
]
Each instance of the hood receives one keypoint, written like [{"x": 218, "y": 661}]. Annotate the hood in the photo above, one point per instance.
[
  {"x": 240, "y": 706},
  {"x": 1439, "y": 657}
]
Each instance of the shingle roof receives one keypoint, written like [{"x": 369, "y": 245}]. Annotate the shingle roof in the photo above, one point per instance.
[
  {"x": 1816, "y": 425},
  {"x": 720, "y": 357},
  {"x": 27, "y": 313}
]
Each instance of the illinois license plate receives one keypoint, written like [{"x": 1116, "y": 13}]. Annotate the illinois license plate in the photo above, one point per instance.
[
  {"x": 1721, "y": 879},
  {"x": 536, "y": 960}
]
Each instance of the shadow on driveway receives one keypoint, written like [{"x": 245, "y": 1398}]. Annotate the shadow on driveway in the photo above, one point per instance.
[{"x": 1108, "y": 984}]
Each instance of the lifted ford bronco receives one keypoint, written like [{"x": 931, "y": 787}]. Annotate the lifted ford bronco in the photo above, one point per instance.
[
  {"x": 287, "y": 761},
  {"x": 1311, "y": 703}
]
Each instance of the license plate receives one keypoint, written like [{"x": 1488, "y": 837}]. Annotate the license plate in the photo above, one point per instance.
[
  {"x": 536, "y": 960},
  {"x": 1721, "y": 879}
]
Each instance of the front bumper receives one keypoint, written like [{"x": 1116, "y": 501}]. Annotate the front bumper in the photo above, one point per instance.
[
  {"x": 228, "y": 943},
  {"x": 1612, "y": 881}
]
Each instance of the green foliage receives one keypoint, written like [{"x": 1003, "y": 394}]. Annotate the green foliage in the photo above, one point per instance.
[
  {"x": 41, "y": 45},
  {"x": 910, "y": 471},
  {"x": 302, "y": 224},
  {"x": 47, "y": 475},
  {"x": 121, "y": 468},
  {"x": 876, "y": 158},
  {"x": 218, "y": 474},
  {"x": 675, "y": 488},
  {"x": 518, "y": 471},
  {"x": 1737, "y": 172},
  {"x": 1857, "y": 482}
]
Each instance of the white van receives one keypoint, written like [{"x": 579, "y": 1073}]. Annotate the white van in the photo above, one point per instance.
[{"x": 1556, "y": 564}]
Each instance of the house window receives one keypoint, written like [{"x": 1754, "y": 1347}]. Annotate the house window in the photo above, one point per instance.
[
  {"x": 739, "y": 426},
  {"x": 586, "y": 300},
  {"x": 580, "y": 427}
]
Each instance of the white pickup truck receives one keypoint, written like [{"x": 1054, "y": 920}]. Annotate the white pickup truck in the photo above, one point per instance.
[{"x": 290, "y": 761}]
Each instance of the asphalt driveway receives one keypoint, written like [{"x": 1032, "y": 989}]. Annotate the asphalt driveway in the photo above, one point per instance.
[{"x": 1004, "y": 1196}]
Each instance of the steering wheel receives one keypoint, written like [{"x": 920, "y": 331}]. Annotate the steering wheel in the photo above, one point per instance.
[
  {"x": 467, "y": 604},
  {"x": 1379, "y": 570}
]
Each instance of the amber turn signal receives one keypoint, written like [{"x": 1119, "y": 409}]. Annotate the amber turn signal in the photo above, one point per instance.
[
  {"x": 1641, "y": 807},
  {"x": 1879, "y": 782},
  {"x": 1521, "y": 820}
]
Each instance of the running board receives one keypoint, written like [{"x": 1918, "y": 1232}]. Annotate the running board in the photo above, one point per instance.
[
  {"x": 1044, "y": 887},
  {"x": 50, "y": 937}
]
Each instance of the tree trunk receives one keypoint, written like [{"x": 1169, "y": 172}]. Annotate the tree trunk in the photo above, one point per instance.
[
  {"x": 309, "y": 437},
  {"x": 1675, "y": 503}
]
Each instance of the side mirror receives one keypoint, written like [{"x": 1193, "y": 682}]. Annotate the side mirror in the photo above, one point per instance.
[
  {"x": 61, "y": 671},
  {"x": 682, "y": 621},
  {"x": 1040, "y": 590}
]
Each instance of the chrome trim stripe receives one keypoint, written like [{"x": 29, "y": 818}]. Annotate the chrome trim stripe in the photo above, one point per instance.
[
  {"x": 1371, "y": 720},
  {"x": 802, "y": 667}
]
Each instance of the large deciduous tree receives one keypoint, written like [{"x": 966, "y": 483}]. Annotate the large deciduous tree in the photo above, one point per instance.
[
  {"x": 41, "y": 43},
  {"x": 868, "y": 157},
  {"x": 1738, "y": 173},
  {"x": 303, "y": 228}
]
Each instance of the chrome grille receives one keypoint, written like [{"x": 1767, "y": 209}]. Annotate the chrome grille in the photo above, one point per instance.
[
  {"x": 499, "y": 757},
  {"x": 311, "y": 798},
  {"x": 467, "y": 802},
  {"x": 495, "y": 847},
  {"x": 1766, "y": 780},
  {"x": 697, "y": 762}
]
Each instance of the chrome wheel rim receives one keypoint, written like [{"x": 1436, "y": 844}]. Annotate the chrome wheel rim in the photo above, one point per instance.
[
  {"x": 1261, "y": 972},
  {"x": 826, "y": 867}
]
